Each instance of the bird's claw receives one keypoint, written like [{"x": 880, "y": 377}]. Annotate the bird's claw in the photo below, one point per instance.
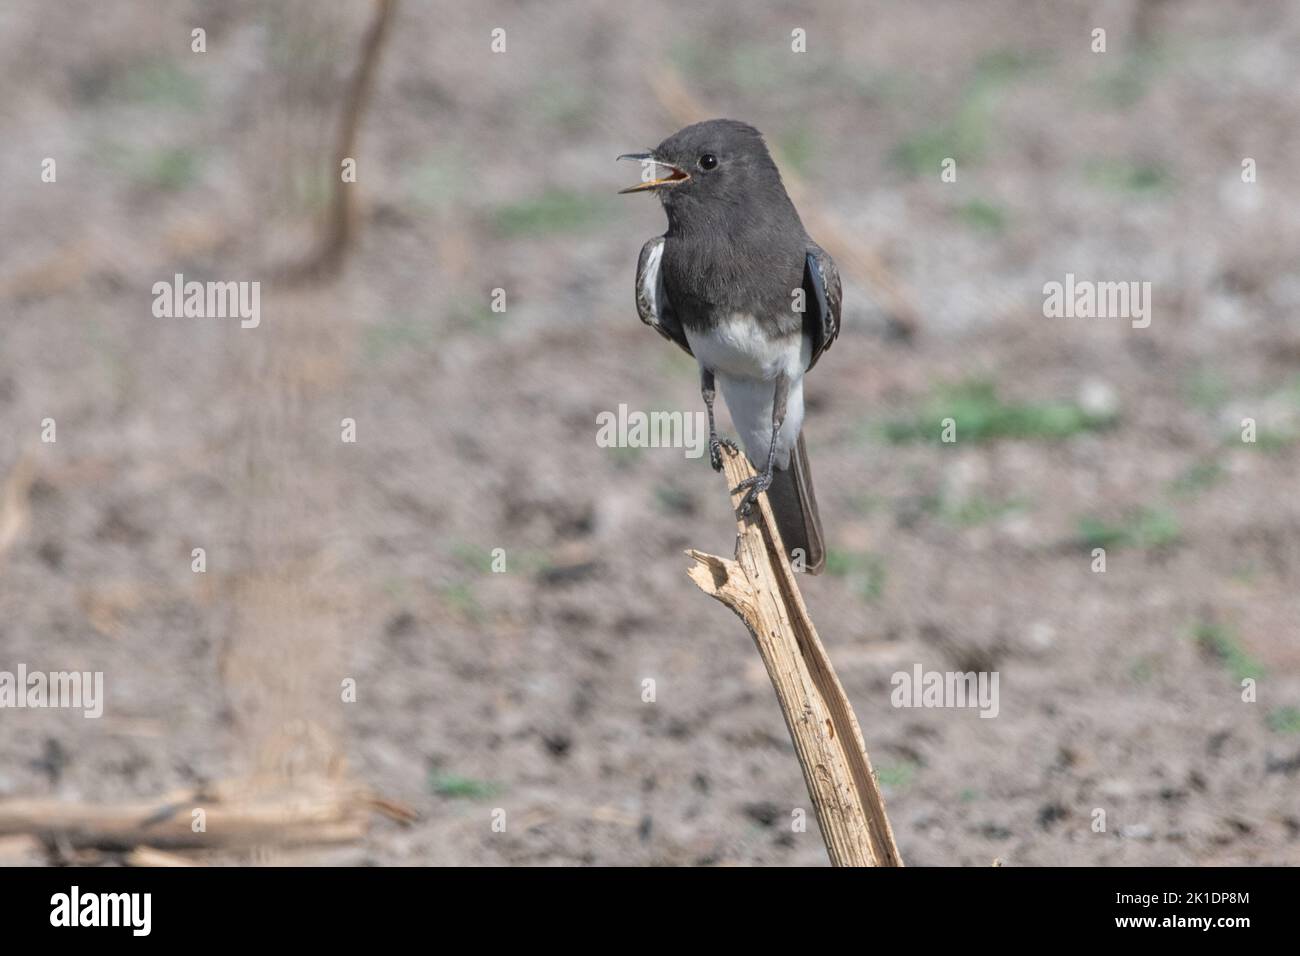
[
  {"x": 756, "y": 485},
  {"x": 715, "y": 450}
]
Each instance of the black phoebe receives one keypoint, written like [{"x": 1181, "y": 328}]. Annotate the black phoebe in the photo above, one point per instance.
[{"x": 737, "y": 283}]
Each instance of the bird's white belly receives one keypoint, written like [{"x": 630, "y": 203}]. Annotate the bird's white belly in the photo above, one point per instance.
[
  {"x": 747, "y": 364},
  {"x": 737, "y": 348}
]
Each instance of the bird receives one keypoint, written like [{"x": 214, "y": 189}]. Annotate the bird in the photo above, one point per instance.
[{"x": 737, "y": 283}]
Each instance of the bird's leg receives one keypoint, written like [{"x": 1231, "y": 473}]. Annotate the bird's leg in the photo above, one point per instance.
[
  {"x": 715, "y": 446},
  {"x": 762, "y": 481}
]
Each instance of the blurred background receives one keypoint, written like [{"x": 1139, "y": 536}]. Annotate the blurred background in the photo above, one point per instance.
[{"x": 521, "y": 691}]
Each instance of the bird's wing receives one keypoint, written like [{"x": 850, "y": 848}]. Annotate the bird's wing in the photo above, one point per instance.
[
  {"x": 651, "y": 300},
  {"x": 821, "y": 287}
]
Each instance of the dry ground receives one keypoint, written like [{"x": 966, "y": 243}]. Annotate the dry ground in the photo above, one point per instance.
[{"x": 523, "y": 690}]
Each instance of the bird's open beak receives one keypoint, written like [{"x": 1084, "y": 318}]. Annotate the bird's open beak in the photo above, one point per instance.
[{"x": 675, "y": 174}]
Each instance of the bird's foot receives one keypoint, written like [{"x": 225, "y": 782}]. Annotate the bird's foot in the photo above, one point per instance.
[
  {"x": 715, "y": 450},
  {"x": 756, "y": 485}
]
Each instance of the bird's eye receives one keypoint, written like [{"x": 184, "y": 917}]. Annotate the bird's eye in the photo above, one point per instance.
[{"x": 708, "y": 161}]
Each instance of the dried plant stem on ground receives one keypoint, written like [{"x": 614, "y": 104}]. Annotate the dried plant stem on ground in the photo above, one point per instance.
[
  {"x": 233, "y": 817},
  {"x": 759, "y": 585}
]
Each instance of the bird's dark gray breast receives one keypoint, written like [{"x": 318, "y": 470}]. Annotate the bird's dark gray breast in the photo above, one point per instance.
[{"x": 710, "y": 278}]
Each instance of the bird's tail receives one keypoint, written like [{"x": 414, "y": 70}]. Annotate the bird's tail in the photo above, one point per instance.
[{"x": 794, "y": 505}]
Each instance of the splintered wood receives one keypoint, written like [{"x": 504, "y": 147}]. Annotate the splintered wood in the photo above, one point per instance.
[{"x": 760, "y": 587}]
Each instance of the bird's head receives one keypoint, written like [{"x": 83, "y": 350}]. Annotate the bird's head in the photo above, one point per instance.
[{"x": 717, "y": 162}]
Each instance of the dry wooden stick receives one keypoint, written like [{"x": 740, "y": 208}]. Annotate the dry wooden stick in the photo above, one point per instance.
[
  {"x": 290, "y": 818},
  {"x": 143, "y": 856},
  {"x": 14, "y": 505},
  {"x": 760, "y": 587},
  {"x": 342, "y": 225},
  {"x": 124, "y": 826}
]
